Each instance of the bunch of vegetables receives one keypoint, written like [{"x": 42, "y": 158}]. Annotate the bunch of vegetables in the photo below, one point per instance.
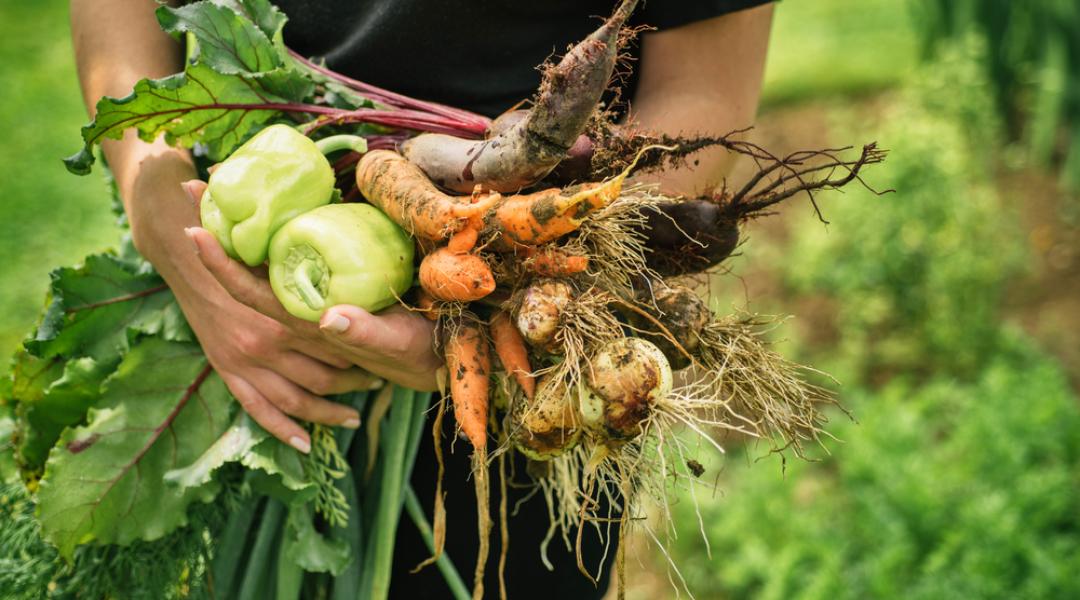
[{"x": 563, "y": 294}]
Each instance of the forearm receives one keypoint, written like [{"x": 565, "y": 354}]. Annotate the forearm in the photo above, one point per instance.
[
  {"x": 117, "y": 43},
  {"x": 702, "y": 79}
]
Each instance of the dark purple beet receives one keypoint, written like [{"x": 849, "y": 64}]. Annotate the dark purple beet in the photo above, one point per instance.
[{"x": 689, "y": 236}]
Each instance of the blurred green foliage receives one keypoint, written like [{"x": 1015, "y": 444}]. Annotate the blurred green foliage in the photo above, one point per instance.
[
  {"x": 865, "y": 50},
  {"x": 47, "y": 216},
  {"x": 958, "y": 479},
  {"x": 915, "y": 287},
  {"x": 943, "y": 490},
  {"x": 1034, "y": 65}
]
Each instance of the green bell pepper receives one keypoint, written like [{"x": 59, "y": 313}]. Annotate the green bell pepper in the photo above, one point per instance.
[
  {"x": 275, "y": 176},
  {"x": 340, "y": 254}
]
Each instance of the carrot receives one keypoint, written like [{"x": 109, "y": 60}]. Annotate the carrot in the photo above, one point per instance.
[
  {"x": 531, "y": 147},
  {"x": 463, "y": 241},
  {"x": 469, "y": 363},
  {"x": 425, "y": 305},
  {"x": 405, "y": 195},
  {"x": 510, "y": 347},
  {"x": 402, "y": 191},
  {"x": 452, "y": 277},
  {"x": 544, "y": 216},
  {"x": 553, "y": 262}
]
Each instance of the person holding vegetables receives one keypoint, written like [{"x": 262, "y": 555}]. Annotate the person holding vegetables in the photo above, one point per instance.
[{"x": 699, "y": 71}]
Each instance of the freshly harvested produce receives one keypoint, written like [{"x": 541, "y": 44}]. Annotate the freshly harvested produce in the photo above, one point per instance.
[
  {"x": 547, "y": 426},
  {"x": 340, "y": 254},
  {"x": 529, "y": 149},
  {"x": 275, "y": 176},
  {"x": 402, "y": 191},
  {"x": 626, "y": 378},
  {"x": 512, "y": 353},
  {"x": 538, "y": 317},
  {"x": 682, "y": 312},
  {"x": 405, "y": 194},
  {"x": 533, "y": 246},
  {"x": 455, "y": 276},
  {"x": 689, "y": 236}
]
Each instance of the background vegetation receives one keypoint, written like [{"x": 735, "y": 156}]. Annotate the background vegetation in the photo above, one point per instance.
[{"x": 948, "y": 310}]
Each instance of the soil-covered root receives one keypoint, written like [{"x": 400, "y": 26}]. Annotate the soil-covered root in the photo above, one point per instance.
[{"x": 682, "y": 314}]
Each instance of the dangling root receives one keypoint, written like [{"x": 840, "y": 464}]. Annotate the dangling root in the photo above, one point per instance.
[
  {"x": 504, "y": 527},
  {"x": 483, "y": 515},
  {"x": 757, "y": 387},
  {"x": 439, "y": 524}
]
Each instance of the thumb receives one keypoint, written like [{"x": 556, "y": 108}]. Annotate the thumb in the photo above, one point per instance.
[{"x": 353, "y": 325}]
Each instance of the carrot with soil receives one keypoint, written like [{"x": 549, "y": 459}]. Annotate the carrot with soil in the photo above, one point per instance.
[
  {"x": 512, "y": 353},
  {"x": 468, "y": 361}
]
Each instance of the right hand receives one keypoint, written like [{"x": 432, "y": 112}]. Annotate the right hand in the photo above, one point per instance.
[
  {"x": 276, "y": 374},
  {"x": 272, "y": 371}
]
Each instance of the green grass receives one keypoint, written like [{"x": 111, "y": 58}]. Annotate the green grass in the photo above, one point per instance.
[
  {"x": 838, "y": 48},
  {"x": 48, "y": 217}
]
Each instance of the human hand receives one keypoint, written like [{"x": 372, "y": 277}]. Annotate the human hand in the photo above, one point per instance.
[{"x": 396, "y": 344}]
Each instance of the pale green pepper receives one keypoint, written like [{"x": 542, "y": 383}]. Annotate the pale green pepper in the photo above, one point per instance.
[
  {"x": 340, "y": 254},
  {"x": 273, "y": 177}
]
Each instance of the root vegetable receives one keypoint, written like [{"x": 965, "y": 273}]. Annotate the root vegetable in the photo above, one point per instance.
[
  {"x": 529, "y": 149},
  {"x": 539, "y": 314},
  {"x": 689, "y": 236},
  {"x": 547, "y": 426},
  {"x": 545, "y": 216},
  {"x": 469, "y": 364},
  {"x": 685, "y": 316},
  {"x": 510, "y": 348},
  {"x": 626, "y": 378},
  {"x": 554, "y": 262},
  {"x": 402, "y": 191},
  {"x": 450, "y": 277}
]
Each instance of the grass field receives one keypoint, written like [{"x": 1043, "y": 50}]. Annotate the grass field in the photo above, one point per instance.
[{"x": 48, "y": 217}]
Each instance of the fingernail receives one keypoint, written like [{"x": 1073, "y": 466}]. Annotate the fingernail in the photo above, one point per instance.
[
  {"x": 190, "y": 233},
  {"x": 300, "y": 444},
  {"x": 186, "y": 185},
  {"x": 376, "y": 384},
  {"x": 337, "y": 323},
  {"x": 351, "y": 423}
]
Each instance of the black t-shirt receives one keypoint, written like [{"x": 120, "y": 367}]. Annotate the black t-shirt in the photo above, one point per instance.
[{"x": 475, "y": 54}]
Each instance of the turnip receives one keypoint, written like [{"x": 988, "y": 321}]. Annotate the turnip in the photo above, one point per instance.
[
  {"x": 539, "y": 314},
  {"x": 547, "y": 426},
  {"x": 627, "y": 377}
]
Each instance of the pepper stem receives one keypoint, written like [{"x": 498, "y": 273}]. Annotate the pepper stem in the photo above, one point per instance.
[
  {"x": 307, "y": 276},
  {"x": 341, "y": 142}
]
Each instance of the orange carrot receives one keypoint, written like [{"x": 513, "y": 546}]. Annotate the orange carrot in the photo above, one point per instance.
[
  {"x": 450, "y": 276},
  {"x": 554, "y": 262},
  {"x": 510, "y": 347},
  {"x": 402, "y": 191},
  {"x": 544, "y": 216},
  {"x": 469, "y": 363},
  {"x": 425, "y": 305},
  {"x": 463, "y": 241}
]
